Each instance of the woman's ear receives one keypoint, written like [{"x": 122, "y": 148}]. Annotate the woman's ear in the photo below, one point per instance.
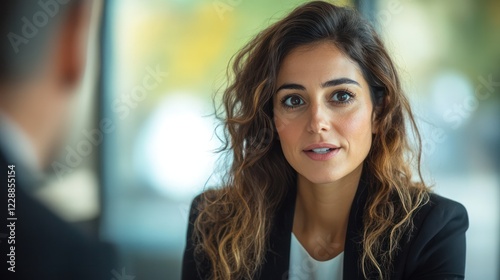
[
  {"x": 378, "y": 95},
  {"x": 275, "y": 130},
  {"x": 375, "y": 122}
]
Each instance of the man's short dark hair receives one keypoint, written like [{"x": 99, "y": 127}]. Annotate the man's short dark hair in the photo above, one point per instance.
[{"x": 25, "y": 29}]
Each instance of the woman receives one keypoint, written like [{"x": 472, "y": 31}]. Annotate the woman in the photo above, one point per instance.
[{"x": 320, "y": 185}]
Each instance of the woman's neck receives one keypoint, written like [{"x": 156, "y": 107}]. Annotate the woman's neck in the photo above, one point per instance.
[{"x": 322, "y": 214}]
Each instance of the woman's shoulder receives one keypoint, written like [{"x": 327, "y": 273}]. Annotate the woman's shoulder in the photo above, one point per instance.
[
  {"x": 197, "y": 204},
  {"x": 441, "y": 209},
  {"x": 204, "y": 199},
  {"x": 440, "y": 223},
  {"x": 437, "y": 242},
  {"x": 193, "y": 265}
]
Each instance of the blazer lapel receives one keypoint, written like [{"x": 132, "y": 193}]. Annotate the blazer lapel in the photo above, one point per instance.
[
  {"x": 278, "y": 255},
  {"x": 277, "y": 262},
  {"x": 354, "y": 237}
]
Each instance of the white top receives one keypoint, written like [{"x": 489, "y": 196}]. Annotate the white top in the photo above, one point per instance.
[{"x": 305, "y": 267}]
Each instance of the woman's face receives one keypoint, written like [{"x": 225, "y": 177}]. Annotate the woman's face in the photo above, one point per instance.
[{"x": 323, "y": 113}]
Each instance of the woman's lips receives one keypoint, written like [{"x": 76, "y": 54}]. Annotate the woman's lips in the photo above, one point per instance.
[
  {"x": 320, "y": 145},
  {"x": 321, "y": 154}
]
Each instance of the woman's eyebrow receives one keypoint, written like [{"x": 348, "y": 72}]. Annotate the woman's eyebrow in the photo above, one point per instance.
[
  {"x": 330, "y": 83},
  {"x": 291, "y": 86},
  {"x": 339, "y": 81}
]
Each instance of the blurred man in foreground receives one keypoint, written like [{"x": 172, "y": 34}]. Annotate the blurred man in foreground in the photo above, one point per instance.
[{"x": 42, "y": 58}]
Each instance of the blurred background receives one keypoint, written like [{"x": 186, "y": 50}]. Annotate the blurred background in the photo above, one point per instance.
[{"x": 157, "y": 64}]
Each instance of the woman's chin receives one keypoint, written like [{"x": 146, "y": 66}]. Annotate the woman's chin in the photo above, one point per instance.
[
  {"x": 330, "y": 175},
  {"x": 323, "y": 179}
]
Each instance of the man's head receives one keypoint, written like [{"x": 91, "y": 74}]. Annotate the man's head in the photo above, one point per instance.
[{"x": 42, "y": 57}]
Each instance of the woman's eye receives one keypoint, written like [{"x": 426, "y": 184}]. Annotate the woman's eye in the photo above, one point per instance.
[
  {"x": 293, "y": 101},
  {"x": 342, "y": 97}
]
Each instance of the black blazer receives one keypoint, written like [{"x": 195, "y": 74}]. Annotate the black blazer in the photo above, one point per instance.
[
  {"x": 46, "y": 247},
  {"x": 435, "y": 250}
]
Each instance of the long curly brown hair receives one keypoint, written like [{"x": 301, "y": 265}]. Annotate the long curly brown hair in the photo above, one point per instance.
[{"x": 234, "y": 221}]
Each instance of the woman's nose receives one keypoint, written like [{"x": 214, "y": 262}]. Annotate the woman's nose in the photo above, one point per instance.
[{"x": 319, "y": 119}]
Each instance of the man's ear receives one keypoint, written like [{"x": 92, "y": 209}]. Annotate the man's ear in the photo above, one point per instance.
[{"x": 71, "y": 43}]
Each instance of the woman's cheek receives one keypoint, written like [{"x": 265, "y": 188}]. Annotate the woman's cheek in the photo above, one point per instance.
[
  {"x": 280, "y": 123},
  {"x": 289, "y": 133},
  {"x": 356, "y": 128}
]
